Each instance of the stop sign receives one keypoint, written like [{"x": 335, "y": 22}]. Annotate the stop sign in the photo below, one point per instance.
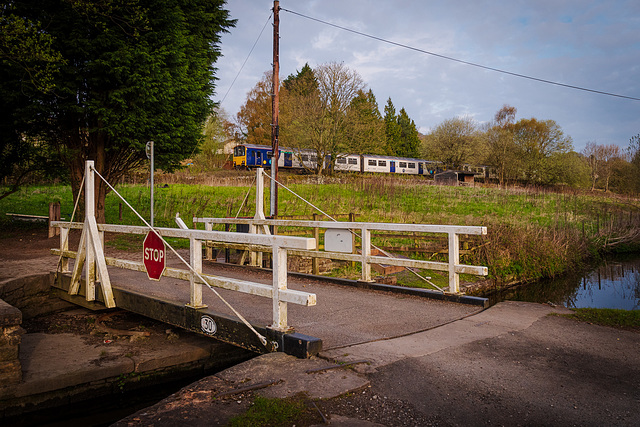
[{"x": 153, "y": 255}]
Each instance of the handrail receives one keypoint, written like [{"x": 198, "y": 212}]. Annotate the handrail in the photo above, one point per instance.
[
  {"x": 453, "y": 232},
  {"x": 279, "y": 245}
]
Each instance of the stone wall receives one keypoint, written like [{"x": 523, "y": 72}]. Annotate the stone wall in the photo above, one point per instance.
[
  {"x": 26, "y": 297},
  {"x": 10, "y": 338},
  {"x": 31, "y": 295}
]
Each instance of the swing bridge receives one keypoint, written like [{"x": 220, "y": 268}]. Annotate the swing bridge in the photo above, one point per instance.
[{"x": 228, "y": 311}]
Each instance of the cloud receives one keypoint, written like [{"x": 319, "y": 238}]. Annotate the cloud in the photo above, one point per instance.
[{"x": 581, "y": 42}]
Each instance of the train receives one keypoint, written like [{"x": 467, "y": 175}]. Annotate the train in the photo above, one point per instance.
[{"x": 247, "y": 156}]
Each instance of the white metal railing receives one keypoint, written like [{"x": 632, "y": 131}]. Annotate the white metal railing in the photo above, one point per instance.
[
  {"x": 452, "y": 266},
  {"x": 90, "y": 256}
]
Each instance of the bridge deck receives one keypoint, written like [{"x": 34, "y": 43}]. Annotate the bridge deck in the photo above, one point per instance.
[{"x": 343, "y": 316}]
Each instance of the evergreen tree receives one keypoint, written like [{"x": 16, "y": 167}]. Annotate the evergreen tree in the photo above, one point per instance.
[
  {"x": 366, "y": 127},
  {"x": 133, "y": 71},
  {"x": 409, "y": 143},
  {"x": 392, "y": 130}
]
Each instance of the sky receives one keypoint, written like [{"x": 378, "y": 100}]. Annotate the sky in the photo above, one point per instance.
[{"x": 585, "y": 43}]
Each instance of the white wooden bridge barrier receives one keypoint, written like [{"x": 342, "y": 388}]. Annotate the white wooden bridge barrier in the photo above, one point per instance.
[
  {"x": 364, "y": 229},
  {"x": 90, "y": 255}
]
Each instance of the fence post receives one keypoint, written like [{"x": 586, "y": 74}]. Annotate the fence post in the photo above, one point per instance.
[
  {"x": 195, "y": 293},
  {"x": 279, "y": 284},
  {"x": 208, "y": 250},
  {"x": 315, "y": 268},
  {"x": 64, "y": 246},
  {"x": 454, "y": 259},
  {"x": 354, "y": 250},
  {"x": 89, "y": 208},
  {"x": 54, "y": 215},
  {"x": 366, "y": 252}
]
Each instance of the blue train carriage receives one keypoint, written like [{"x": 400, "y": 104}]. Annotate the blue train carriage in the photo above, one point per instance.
[{"x": 246, "y": 156}]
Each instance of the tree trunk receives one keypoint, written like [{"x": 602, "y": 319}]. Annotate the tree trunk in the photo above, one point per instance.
[{"x": 101, "y": 188}]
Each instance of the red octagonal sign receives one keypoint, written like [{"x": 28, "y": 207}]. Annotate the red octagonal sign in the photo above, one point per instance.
[{"x": 154, "y": 255}]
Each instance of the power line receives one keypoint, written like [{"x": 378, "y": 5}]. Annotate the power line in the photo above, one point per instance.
[
  {"x": 484, "y": 67},
  {"x": 247, "y": 58}
]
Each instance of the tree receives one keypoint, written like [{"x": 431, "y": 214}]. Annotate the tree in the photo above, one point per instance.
[
  {"x": 569, "y": 169},
  {"x": 392, "y": 130},
  {"x": 318, "y": 118},
  {"x": 537, "y": 141},
  {"x": 453, "y": 141},
  {"x": 254, "y": 117},
  {"x": 134, "y": 71},
  {"x": 592, "y": 154},
  {"x": 365, "y": 125},
  {"x": 217, "y": 131},
  {"x": 611, "y": 154},
  {"x": 409, "y": 140},
  {"x": 502, "y": 151},
  {"x": 28, "y": 64}
]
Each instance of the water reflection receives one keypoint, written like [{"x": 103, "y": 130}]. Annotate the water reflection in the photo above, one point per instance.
[{"x": 614, "y": 284}]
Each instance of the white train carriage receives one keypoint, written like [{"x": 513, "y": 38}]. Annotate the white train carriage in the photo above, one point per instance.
[
  {"x": 348, "y": 163},
  {"x": 396, "y": 165},
  {"x": 378, "y": 164}
]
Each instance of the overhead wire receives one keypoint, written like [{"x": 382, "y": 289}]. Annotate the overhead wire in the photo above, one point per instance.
[
  {"x": 247, "y": 58},
  {"x": 449, "y": 58}
]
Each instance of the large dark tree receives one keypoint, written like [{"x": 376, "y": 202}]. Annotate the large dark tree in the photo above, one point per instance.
[
  {"x": 27, "y": 66},
  {"x": 134, "y": 71},
  {"x": 409, "y": 144}
]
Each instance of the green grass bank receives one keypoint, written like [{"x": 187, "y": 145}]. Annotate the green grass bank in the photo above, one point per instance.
[{"x": 532, "y": 233}]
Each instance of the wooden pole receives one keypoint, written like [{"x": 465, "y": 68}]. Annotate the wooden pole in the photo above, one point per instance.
[{"x": 275, "y": 109}]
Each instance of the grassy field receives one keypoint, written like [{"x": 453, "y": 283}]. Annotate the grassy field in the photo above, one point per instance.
[{"x": 532, "y": 234}]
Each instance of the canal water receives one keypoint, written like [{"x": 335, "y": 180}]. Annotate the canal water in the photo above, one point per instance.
[{"x": 614, "y": 283}]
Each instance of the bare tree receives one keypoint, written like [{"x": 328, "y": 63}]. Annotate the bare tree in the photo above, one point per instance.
[
  {"x": 610, "y": 155},
  {"x": 318, "y": 118},
  {"x": 592, "y": 153},
  {"x": 502, "y": 151}
]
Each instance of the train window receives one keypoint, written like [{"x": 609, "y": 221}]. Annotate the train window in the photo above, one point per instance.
[
  {"x": 372, "y": 162},
  {"x": 353, "y": 161},
  {"x": 411, "y": 165},
  {"x": 314, "y": 159},
  {"x": 239, "y": 151},
  {"x": 382, "y": 163},
  {"x": 305, "y": 158},
  {"x": 403, "y": 164},
  {"x": 341, "y": 160},
  {"x": 269, "y": 153}
]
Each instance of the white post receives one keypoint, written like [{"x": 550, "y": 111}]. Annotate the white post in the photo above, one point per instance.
[
  {"x": 366, "y": 252},
  {"x": 64, "y": 246},
  {"x": 279, "y": 284},
  {"x": 259, "y": 194},
  {"x": 255, "y": 258},
  {"x": 195, "y": 299},
  {"x": 209, "y": 250},
  {"x": 90, "y": 212},
  {"x": 454, "y": 259}
]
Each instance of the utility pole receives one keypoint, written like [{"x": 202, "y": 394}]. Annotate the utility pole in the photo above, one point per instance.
[{"x": 275, "y": 108}]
